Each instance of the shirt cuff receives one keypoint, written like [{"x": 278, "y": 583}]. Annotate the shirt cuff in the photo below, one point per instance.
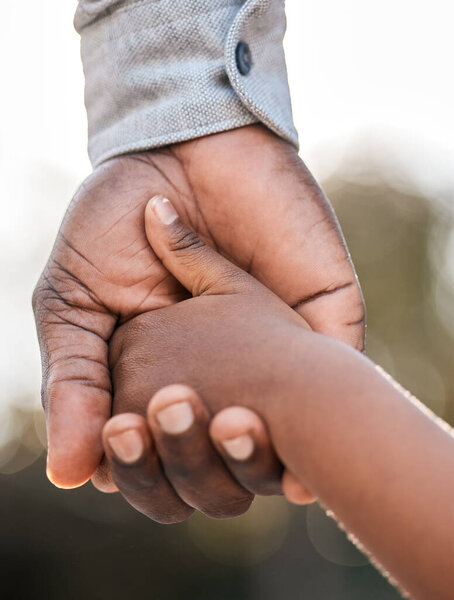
[{"x": 164, "y": 71}]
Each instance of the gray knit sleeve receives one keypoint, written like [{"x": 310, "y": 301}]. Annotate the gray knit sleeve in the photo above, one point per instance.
[{"x": 165, "y": 71}]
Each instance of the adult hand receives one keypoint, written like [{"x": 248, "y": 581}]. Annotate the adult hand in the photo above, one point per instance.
[{"x": 246, "y": 193}]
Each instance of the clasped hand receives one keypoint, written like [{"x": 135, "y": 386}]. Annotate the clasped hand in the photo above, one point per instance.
[
  {"x": 218, "y": 342},
  {"x": 247, "y": 194}
]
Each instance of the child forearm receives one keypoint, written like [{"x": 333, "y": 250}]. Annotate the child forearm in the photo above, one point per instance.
[{"x": 375, "y": 458}]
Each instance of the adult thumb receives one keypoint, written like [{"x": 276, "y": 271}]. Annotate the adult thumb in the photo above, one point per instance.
[{"x": 200, "y": 269}]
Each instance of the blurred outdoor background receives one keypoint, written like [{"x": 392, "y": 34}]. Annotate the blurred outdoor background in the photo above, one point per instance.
[{"x": 373, "y": 98}]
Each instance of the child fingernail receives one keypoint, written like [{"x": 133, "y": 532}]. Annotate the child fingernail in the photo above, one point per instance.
[
  {"x": 176, "y": 418},
  {"x": 127, "y": 446},
  {"x": 239, "y": 448},
  {"x": 163, "y": 209}
]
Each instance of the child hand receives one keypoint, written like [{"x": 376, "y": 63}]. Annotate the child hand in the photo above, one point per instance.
[
  {"x": 214, "y": 342},
  {"x": 175, "y": 460}
]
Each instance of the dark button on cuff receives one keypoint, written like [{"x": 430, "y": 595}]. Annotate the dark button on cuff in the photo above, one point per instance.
[{"x": 243, "y": 58}]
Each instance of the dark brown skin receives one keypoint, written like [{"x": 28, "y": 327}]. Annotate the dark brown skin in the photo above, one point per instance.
[
  {"x": 356, "y": 440},
  {"x": 176, "y": 343},
  {"x": 190, "y": 472},
  {"x": 246, "y": 193}
]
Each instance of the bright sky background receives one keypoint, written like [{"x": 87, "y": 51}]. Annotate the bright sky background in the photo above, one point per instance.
[
  {"x": 381, "y": 70},
  {"x": 375, "y": 71}
]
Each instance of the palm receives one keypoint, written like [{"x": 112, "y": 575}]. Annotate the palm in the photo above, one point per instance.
[{"x": 246, "y": 193}]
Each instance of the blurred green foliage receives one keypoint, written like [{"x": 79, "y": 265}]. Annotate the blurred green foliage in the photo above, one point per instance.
[{"x": 400, "y": 244}]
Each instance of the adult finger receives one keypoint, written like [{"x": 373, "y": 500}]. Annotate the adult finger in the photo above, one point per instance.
[
  {"x": 137, "y": 472},
  {"x": 179, "y": 423},
  {"x": 76, "y": 390}
]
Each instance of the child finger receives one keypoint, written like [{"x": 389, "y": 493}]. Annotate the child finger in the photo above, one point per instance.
[
  {"x": 179, "y": 423},
  {"x": 242, "y": 439},
  {"x": 137, "y": 472}
]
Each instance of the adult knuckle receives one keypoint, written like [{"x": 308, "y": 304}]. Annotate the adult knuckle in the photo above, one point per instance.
[
  {"x": 44, "y": 397},
  {"x": 45, "y": 295},
  {"x": 49, "y": 297},
  {"x": 36, "y": 298}
]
